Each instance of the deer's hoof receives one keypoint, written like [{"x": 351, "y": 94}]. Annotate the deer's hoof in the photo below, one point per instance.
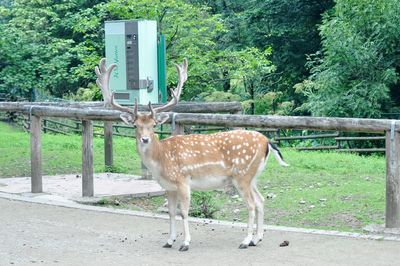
[
  {"x": 167, "y": 246},
  {"x": 184, "y": 248},
  {"x": 243, "y": 246},
  {"x": 251, "y": 244}
]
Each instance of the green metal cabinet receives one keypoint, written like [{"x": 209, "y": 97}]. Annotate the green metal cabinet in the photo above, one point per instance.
[{"x": 134, "y": 47}]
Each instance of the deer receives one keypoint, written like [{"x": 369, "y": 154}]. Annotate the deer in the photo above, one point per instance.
[{"x": 183, "y": 163}]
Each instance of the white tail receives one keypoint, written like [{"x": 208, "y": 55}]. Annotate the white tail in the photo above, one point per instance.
[{"x": 277, "y": 154}]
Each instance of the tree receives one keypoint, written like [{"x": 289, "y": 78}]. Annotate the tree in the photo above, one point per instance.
[
  {"x": 191, "y": 32},
  {"x": 37, "y": 47},
  {"x": 60, "y": 42},
  {"x": 289, "y": 27},
  {"x": 359, "y": 63}
]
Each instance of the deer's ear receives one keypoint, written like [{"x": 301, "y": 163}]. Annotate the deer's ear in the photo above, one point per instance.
[
  {"x": 162, "y": 118},
  {"x": 127, "y": 118}
]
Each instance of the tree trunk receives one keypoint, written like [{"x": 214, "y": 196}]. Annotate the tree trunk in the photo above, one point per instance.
[{"x": 227, "y": 81}]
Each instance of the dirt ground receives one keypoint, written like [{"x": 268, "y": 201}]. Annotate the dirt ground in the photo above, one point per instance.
[{"x": 40, "y": 234}]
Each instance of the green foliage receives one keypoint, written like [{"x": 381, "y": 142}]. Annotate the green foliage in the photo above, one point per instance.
[
  {"x": 36, "y": 47},
  {"x": 203, "y": 205},
  {"x": 272, "y": 103},
  {"x": 91, "y": 93},
  {"x": 290, "y": 27},
  {"x": 60, "y": 44},
  {"x": 359, "y": 62},
  {"x": 251, "y": 51},
  {"x": 219, "y": 96}
]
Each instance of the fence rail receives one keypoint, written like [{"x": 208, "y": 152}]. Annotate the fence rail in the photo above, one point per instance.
[
  {"x": 75, "y": 126},
  {"x": 342, "y": 142},
  {"x": 390, "y": 127}
]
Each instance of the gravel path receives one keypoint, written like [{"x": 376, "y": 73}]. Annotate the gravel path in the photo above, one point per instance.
[{"x": 37, "y": 234}]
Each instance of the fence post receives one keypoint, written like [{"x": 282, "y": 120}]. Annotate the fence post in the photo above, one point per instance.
[
  {"x": 87, "y": 159},
  {"x": 278, "y": 136},
  {"x": 108, "y": 144},
  {"x": 44, "y": 125},
  {"x": 236, "y": 113},
  {"x": 178, "y": 129},
  {"x": 36, "y": 155},
  {"x": 392, "y": 178},
  {"x": 146, "y": 174}
]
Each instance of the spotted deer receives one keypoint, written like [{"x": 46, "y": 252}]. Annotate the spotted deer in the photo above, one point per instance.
[{"x": 196, "y": 162}]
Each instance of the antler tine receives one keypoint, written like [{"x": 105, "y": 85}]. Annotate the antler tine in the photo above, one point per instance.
[
  {"x": 103, "y": 81},
  {"x": 152, "y": 112},
  {"x": 123, "y": 108},
  {"x": 176, "y": 94}
]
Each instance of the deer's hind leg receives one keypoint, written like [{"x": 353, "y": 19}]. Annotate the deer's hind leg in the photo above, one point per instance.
[
  {"x": 259, "y": 202},
  {"x": 246, "y": 191}
]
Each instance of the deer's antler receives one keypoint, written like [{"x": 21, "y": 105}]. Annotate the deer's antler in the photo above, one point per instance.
[
  {"x": 176, "y": 94},
  {"x": 103, "y": 81}
]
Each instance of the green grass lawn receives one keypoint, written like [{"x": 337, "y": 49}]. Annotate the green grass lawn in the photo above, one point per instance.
[
  {"x": 325, "y": 190},
  {"x": 61, "y": 154}
]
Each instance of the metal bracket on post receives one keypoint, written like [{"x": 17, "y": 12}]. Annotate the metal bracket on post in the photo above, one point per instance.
[
  {"x": 176, "y": 129},
  {"x": 30, "y": 112},
  {"x": 173, "y": 122},
  {"x": 392, "y": 148},
  {"x": 30, "y": 116}
]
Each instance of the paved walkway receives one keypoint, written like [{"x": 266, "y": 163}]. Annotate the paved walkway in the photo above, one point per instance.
[
  {"x": 70, "y": 186},
  {"x": 40, "y": 234}
]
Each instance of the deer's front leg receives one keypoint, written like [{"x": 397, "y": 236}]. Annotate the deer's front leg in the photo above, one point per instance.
[
  {"x": 184, "y": 198},
  {"x": 172, "y": 203}
]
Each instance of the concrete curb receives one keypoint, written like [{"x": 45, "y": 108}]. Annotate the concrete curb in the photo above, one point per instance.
[{"x": 47, "y": 199}]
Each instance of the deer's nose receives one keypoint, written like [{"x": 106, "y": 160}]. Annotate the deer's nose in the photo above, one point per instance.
[{"x": 145, "y": 140}]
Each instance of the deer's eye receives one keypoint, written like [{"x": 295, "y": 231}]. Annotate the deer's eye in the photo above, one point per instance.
[{"x": 133, "y": 125}]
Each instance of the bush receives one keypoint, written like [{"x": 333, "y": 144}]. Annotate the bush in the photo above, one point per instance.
[{"x": 203, "y": 205}]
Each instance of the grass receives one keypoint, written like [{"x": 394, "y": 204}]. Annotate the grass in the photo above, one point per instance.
[
  {"x": 325, "y": 190},
  {"x": 61, "y": 154}
]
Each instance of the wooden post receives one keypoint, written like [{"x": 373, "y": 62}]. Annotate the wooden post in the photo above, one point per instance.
[
  {"x": 178, "y": 129},
  {"x": 87, "y": 159},
  {"x": 36, "y": 155},
  {"x": 237, "y": 113},
  {"x": 278, "y": 135},
  {"x": 44, "y": 125},
  {"x": 392, "y": 178},
  {"x": 108, "y": 144},
  {"x": 146, "y": 174}
]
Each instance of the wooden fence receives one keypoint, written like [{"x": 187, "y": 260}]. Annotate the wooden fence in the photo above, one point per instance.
[
  {"x": 390, "y": 127},
  {"x": 336, "y": 140}
]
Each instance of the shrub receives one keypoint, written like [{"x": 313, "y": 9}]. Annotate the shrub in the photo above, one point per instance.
[{"x": 203, "y": 205}]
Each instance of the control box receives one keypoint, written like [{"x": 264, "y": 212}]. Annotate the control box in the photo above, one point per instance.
[{"x": 133, "y": 46}]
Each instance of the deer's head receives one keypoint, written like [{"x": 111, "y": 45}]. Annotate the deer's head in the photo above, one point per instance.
[{"x": 143, "y": 122}]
